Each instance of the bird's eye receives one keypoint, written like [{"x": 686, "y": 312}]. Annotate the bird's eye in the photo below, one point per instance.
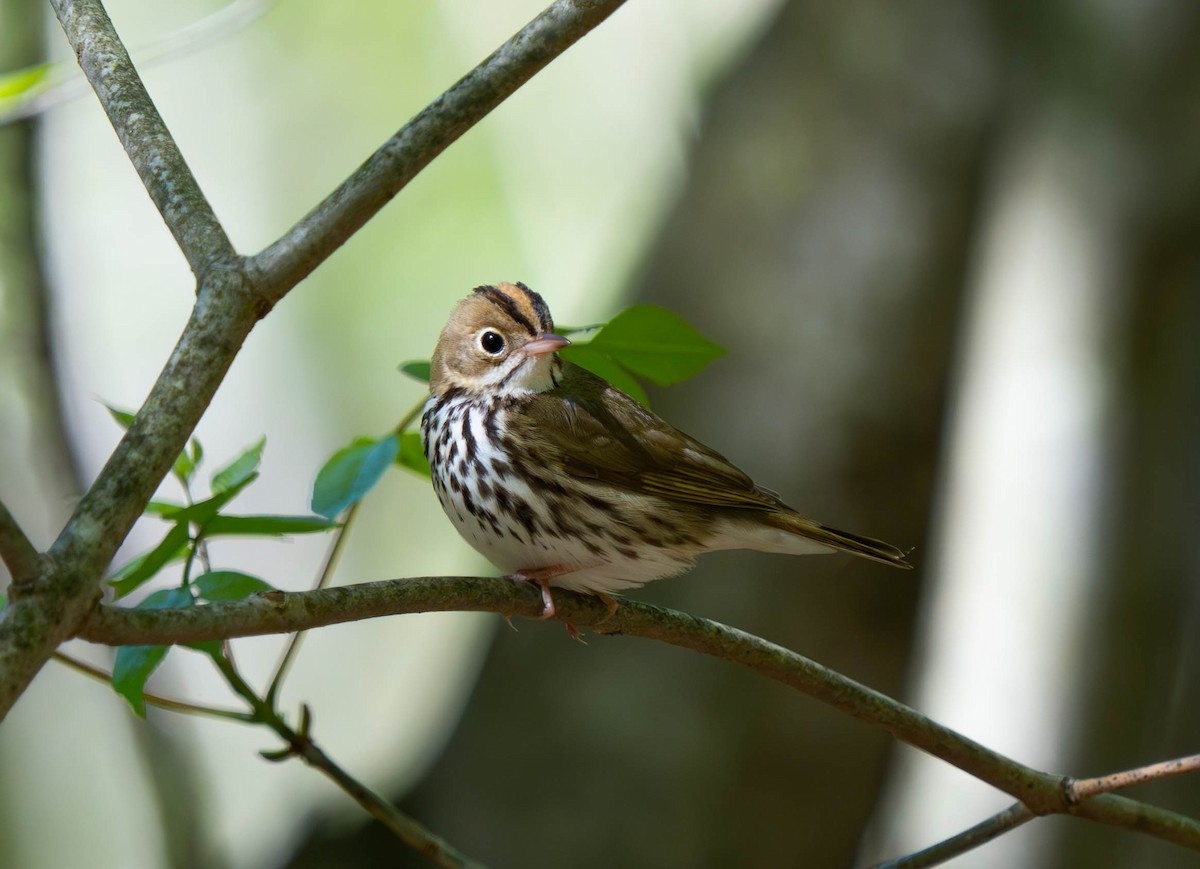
[{"x": 491, "y": 342}]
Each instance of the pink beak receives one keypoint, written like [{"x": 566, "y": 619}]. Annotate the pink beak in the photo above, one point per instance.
[{"x": 548, "y": 343}]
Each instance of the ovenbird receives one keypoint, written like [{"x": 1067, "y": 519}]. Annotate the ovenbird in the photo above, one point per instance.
[{"x": 560, "y": 479}]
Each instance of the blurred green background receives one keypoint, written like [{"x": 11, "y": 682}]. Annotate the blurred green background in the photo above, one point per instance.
[{"x": 954, "y": 252}]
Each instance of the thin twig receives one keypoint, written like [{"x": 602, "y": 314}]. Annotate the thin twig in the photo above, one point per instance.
[
  {"x": 967, "y": 840},
  {"x": 300, "y": 744},
  {"x": 154, "y": 699},
  {"x": 326, "y": 574},
  {"x": 19, "y": 555},
  {"x": 307, "y": 244},
  {"x": 327, "y": 569},
  {"x": 1079, "y": 790},
  {"x": 144, "y": 135}
]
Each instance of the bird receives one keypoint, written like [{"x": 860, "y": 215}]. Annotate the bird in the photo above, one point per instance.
[{"x": 564, "y": 481}]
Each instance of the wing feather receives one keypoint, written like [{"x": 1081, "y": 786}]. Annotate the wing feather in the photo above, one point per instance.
[{"x": 595, "y": 432}]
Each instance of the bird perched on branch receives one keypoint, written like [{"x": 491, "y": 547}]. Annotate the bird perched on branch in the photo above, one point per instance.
[{"x": 562, "y": 480}]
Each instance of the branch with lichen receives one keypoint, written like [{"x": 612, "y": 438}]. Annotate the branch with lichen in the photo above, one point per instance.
[{"x": 1039, "y": 793}]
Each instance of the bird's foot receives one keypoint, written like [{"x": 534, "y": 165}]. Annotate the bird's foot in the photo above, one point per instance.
[{"x": 541, "y": 576}]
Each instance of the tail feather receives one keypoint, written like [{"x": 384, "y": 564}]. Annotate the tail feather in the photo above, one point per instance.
[{"x": 866, "y": 547}]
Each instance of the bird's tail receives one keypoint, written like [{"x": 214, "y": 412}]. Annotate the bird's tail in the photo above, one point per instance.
[{"x": 812, "y": 532}]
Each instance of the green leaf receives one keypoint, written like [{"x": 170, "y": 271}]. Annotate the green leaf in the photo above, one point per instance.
[
  {"x": 202, "y": 511},
  {"x": 166, "y": 599},
  {"x": 240, "y": 471},
  {"x": 602, "y": 365},
  {"x": 186, "y": 464},
  {"x": 560, "y": 329},
  {"x": 123, "y": 417},
  {"x": 273, "y": 526},
  {"x": 417, "y": 369},
  {"x": 212, "y": 648},
  {"x": 163, "y": 509},
  {"x": 412, "y": 454},
  {"x": 657, "y": 344},
  {"x": 132, "y": 668},
  {"x": 134, "y": 664},
  {"x": 3, "y": 601},
  {"x": 172, "y": 548},
  {"x": 352, "y": 472},
  {"x": 20, "y": 81},
  {"x": 228, "y": 585}
]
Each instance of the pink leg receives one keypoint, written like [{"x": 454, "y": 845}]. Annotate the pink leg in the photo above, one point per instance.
[{"x": 541, "y": 576}]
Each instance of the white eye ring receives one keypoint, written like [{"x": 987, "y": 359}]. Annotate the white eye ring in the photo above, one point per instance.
[{"x": 491, "y": 342}]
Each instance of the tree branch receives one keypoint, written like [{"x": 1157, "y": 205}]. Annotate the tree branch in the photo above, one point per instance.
[
  {"x": 1080, "y": 789},
  {"x": 19, "y": 555},
  {"x": 229, "y": 301},
  {"x": 277, "y": 611},
  {"x": 307, "y": 244},
  {"x": 49, "y": 611},
  {"x": 144, "y": 135},
  {"x": 967, "y": 840}
]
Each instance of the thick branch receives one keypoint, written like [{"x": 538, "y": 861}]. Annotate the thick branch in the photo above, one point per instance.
[
  {"x": 48, "y": 612},
  {"x": 389, "y": 169},
  {"x": 276, "y": 612},
  {"x": 146, "y": 139},
  {"x": 18, "y": 554}
]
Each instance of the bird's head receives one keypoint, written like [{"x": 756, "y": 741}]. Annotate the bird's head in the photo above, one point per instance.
[{"x": 500, "y": 340}]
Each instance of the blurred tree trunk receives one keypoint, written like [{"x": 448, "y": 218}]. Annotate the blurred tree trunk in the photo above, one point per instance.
[
  {"x": 823, "y": 239},
  {"x": 1142, "y": 671},
  {"x": 33, "y": 449},
  {"x": 41, "y": 479}
]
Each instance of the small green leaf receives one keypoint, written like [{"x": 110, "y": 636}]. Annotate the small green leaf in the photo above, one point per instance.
[
  {"x": 412, "y": 454},
  {"x": 202, "y": 511},
  {"x": 123, "y": 417},
  {"x": 172, "y": 548},
  {"x": 132, "y": 668},
  {"x": 163, "y": 509},
  {"x": 3, "y": 601},
  {"x": 657, "y": 344},
  {"x": 602, "y": 365},
  {"x": 228, "y": 585},
  {"x": 212, "y": 648},
  {"x": 186, "y": 464},
  {"x": 238, "y": 473},
  {"x": 20, "y": 81},
  {"x": 272, "y": 526},
  {"x": 417, "y": 369},
  {"x": 352, "y": 472},
  {"x": 166, "y": 599},
  {"x": 559, "y": 329},
  {"x": 134, "y": 664}
]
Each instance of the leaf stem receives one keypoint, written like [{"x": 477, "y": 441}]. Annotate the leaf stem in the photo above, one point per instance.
[
  {"x": 155, "y": 699},
  {"x": 409, "y": 418}
]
